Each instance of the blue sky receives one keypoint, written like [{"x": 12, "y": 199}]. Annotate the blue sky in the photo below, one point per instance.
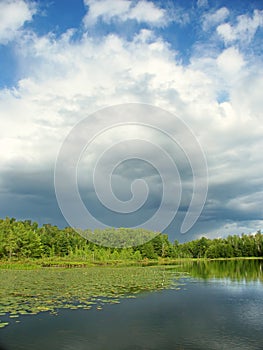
[
  {"x": 201, "y": 60},
  {"x": 182, "y": 33}
]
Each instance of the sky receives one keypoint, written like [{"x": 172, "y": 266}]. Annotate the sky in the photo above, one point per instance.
[{"x": 161, "y": 101}]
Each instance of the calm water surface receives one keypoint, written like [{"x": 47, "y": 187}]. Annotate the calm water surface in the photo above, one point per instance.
[{"x": 219, "y": 306}]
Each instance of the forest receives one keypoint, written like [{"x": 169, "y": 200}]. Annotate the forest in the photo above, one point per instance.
[{"x": 26, "y": 239}]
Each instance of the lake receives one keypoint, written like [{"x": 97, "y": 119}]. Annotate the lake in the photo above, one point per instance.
[{"x": 197, "y": 305}]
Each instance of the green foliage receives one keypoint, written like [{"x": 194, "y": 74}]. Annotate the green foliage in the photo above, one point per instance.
[{"x": 25, "y": 239}]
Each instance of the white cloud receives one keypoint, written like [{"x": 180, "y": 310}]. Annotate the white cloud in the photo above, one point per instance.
[
  {"x": 177, "y": 14},
  {"x": 244, "y": 30},
  {"x": 247, "y": 97},
  {"x": 106, "y": 9},
  {"x": 122, "y": 10},
  {"x": 13, "y": 15},
  {"x": 212, "y": 19},
  {"x": 145, "y": 11},
  {"x": 226, "y": 32},
  {"x": 66, "y": 80},
  {"x": 230, "y": 61},
  {"x": 202, "y": 3}
]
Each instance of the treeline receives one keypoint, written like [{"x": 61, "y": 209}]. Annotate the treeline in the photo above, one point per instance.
[{"x": 25, "y": 239}]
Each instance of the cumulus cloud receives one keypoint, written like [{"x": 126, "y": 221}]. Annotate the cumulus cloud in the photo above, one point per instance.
[
  {"x": 13, "y": 15},
  {"x": 244, "y": 30},
  {"x": 142, "y": 11},
  {"x": 230, "y": 61},
  {"x": 212, "y": 19},
  {"x": 66, "y": 79}
]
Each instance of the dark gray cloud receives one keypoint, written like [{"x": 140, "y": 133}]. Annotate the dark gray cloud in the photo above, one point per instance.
[{"x": 67, "y": 78}]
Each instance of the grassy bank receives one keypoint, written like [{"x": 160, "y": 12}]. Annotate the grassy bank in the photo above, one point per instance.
[{"x": 32, "y": 264}]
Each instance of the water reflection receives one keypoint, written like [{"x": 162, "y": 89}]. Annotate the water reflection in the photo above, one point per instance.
[
  {"x": 235, "y": 270},
  {"x": 204, "y": 314},
  {"x": 200, "y": 316}
]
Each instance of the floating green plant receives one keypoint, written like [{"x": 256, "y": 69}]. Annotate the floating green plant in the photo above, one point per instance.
[
  {"x": 27, "y": 292},
  {"x": 3, "y": 324}
]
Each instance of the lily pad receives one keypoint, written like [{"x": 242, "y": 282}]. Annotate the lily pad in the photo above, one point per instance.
[{"x": 27, "y": 292}]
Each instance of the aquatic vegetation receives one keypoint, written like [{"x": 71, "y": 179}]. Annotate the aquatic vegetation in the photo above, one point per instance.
[{"x": 24, "y": 292}]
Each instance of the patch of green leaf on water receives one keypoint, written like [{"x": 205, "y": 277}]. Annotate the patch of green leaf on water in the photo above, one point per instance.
[
  {"x": 3, "y": 324},
  {"x": 27, "y": 292}
]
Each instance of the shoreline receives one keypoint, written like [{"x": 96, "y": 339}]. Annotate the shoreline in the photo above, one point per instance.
[{"x": 31, "y": 264}]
